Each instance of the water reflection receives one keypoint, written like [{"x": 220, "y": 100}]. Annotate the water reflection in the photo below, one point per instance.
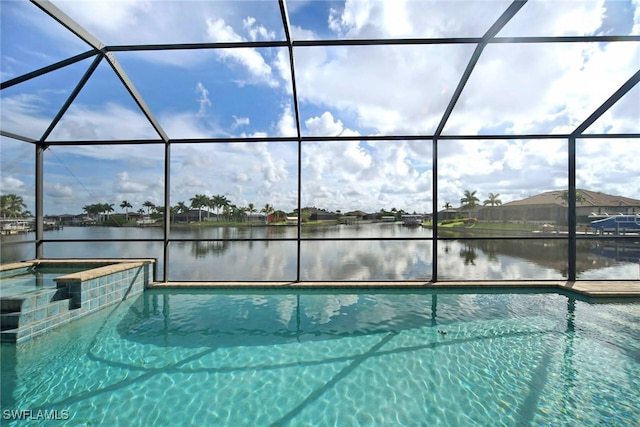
[
  {"x": 540, "y": 259},
  {"x": 468, "y": 254},
  {"x": 196, "y": 318},
  {"x": 216, "y": 257}
]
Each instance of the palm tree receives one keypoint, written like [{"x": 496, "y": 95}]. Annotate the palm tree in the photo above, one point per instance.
[
  {"x": 210, "y": 205},
  {"x": 279, "y": 215},
  {"x": 237, "y": 213},
  {"x": 126, "y": 205},
  {"x": 226, "y": 211},
  {"x": 492, "y": 201},
  {"x": 93, "y": 209},
  {"x": 251, "y": 209},
  {"x": 469, "y": 201},
  {"x": 107, "y": 208},
  {"x": 447, "y": 206},
  {"x": 564, "y": 195},
  {"x": 219, "y": 202},
  {"x": 198, "y": 202},
  {"x": 11, "y": 205},
  {"x": 266, "y": 210},
  {"x": 181, "y": 207},
  {"x": 149, "y": 205}
]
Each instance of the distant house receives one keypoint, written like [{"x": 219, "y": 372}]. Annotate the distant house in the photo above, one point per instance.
[
  {"x": 316, "y": 214},
  {"x": 193, "y": 215},
  {"x": 320, "y": 215},
  {"x": 450, "y": 213},
  {"x": 72, "y": 220},
  {"x": 255, "y": 217},
  {"x": 551, "y": 207},
  {"x": 356, "y": 214}
]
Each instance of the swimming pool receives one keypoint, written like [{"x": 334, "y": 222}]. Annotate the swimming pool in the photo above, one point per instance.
[
  {"x": 328, "y": 358},
  {"x": 35, "y": 278}
]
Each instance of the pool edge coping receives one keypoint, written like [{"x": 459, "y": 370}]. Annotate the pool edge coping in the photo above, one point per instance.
[{"x": 592, "y": 289}]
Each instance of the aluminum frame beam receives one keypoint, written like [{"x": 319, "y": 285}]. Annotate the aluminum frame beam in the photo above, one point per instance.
[
  {"x": 285, "y": 23},
  {"x": 52, "y": 10}
]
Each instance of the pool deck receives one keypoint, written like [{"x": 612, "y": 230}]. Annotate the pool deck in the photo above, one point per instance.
[{"x": 593, "y": 289}]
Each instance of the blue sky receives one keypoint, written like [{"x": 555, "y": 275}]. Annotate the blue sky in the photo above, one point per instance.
[{"x": 348, "y": 91}]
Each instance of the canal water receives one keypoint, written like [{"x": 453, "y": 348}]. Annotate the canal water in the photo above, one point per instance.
[{"x": 270, "y": 254}]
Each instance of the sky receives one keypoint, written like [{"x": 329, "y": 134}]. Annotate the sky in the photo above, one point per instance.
[{"x": 360, "y": 91}]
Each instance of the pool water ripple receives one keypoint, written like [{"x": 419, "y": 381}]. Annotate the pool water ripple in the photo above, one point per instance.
[{"x": 208, "y": 358}]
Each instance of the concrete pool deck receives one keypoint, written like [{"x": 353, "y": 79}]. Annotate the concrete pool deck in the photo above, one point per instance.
[{"x": 593, "y": 289}]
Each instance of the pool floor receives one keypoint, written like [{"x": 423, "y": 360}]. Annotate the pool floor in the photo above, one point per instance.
[{"x": 348, "y": 359}]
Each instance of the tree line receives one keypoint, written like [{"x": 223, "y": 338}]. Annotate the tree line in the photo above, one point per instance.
[
  {"x": 200, "y": 202},
  {"x": 470, "y": 201},
  {"x": 13, "y": 206}
]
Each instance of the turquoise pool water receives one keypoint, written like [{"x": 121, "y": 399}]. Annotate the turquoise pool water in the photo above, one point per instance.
[
  {"x": 334, "y": 359},
  {"x": 39, "y": 277}
]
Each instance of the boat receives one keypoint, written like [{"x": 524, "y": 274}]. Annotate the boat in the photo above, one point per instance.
[
  {"x": 594, "y": 216},
  {"x": 619, "y": 251},
  {"x": 145, "y": 221},
  {"x": 618, "y": 223},
  {"x": 412, "y": 220},
  {"x": 13, "y": 226}
]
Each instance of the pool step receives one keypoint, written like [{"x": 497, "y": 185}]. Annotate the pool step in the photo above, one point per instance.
[{"x": 28, "y": 315}]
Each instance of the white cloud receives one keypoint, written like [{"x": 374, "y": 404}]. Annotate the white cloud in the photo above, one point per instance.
[
  {"x": 273, "y": 170},
  {"x": 541, "y": 88},
  {"x": 636, "y": 18},
  {"x": 203, "y": 100},
  {"x": 112, "y": 121},
  {"x": 556, "y": 18},
  {"x": 256, "y": 173},
  {"x": 23, "y": 114},
  {"x": 324, "y": 125},
  {"x": 250, "y": 58},
  {"x": 11, "y": 185},
  {"x": 513, "y": 169},
  {"x": 610, "y": 166},
  {"x": 372, "y": 18},
  {"x": 58, "y": 190},
  {"x": 286, "y": 125},
  {"x": 282, "y": 66},
  {"x": 390, "y": 89},
  {"x": 124, "y": 185},
  {"x": 405, "y": 89},
  {"x": 105, "y": 18},
  {"x": 366, "y": 175},
  {"x": 257, "y": 32},
  {"x": 240, "y": 121},
  {"x": 622, "y": 117},
  {"x": 188, "y": 125}
]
